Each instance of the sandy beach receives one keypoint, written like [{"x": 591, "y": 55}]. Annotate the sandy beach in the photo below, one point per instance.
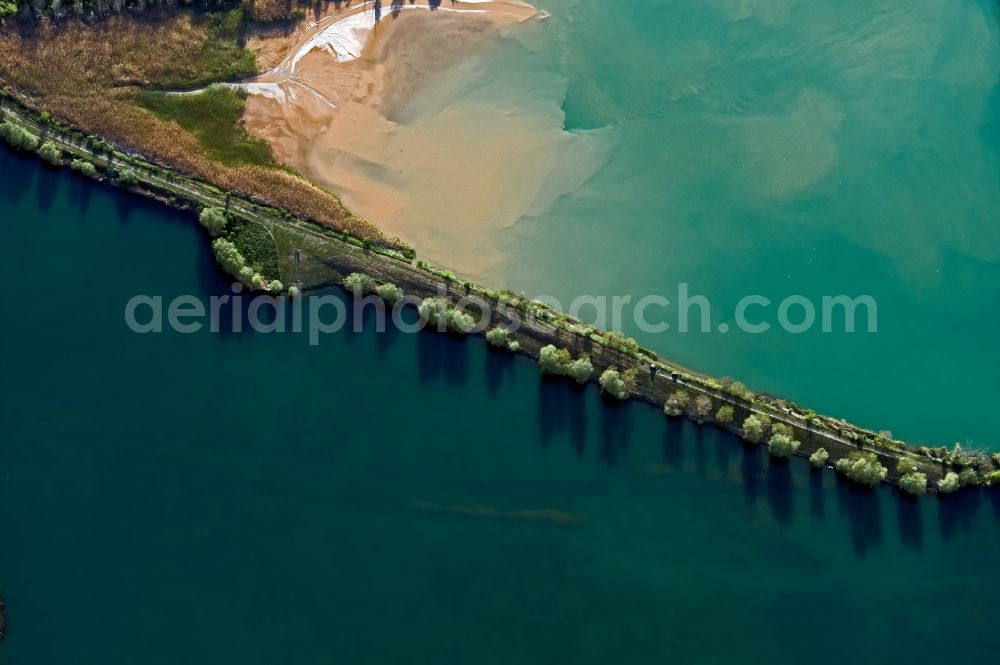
[{"x": 347, "y": 104}]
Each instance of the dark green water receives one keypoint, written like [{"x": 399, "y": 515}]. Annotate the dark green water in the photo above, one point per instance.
[{"x": 247, "y": 498}]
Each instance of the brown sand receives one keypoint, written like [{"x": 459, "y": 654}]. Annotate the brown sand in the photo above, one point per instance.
[{"x": 339, "y": 123}]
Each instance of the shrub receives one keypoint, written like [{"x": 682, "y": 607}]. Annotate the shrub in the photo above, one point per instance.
[
  {"x": 389, "y": 293},
  {"x": 256, "y": 245},
  {"x": 676, "y": 403},
  {"x": 18, "y": 137},
  {"x": 949, "y": 483},
  {"x": 128, "y": 178},
  {"x": 993, "y": 479},
  {"x": 862, "y": 468},
  {"x": 782, "y": 445},
  {"x": 613, "y": 383},
  {"x": 275, "y": 286},
  {"x": 968, "y": 477},
  {"x": 818, "y": 459},
  {"x": 458, "y": 322},
  {"x": 84, "y": 167},
  {"x": 514, "y": 346},
  {"x": 51, "y": 153},
  {"x": 724, "y": 414},
  {"x": 214, "y": 220},
  {"x": 914, "y": 483},
  {"x": 294, "y": 292},
  {"x": 360, "y": 283},
  {"x": 702, "y": 407},
  {"x": 581, "y": 369},
  {"x": 753, "y": 429}
]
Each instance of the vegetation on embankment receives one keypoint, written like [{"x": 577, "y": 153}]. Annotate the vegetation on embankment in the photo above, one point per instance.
[
  {"x": 310, "y": 256},
  {"x": 100, "y": 78},
  {"x": 215, "y": 116},
  {"x": 264, "y": 11}
]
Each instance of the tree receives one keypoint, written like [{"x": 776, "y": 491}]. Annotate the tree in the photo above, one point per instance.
[
  {"x": 553, "y": 361},
  {"x": 580, "y": 369},
  {"x": 737, "y": 389},
  {"x": 753, "y": 429},
  {"x": 614, "y": 384},
  {"x": 214, "y": 220},
  {"x": 7, "y": 10},
  {"x": 725, "y": 414},
  {"x": 50, "y": 153},
  {"x": 818, "y": 459},
  {"x": 390, "y": 293},
  {"x": 128, "y": 178},
  {"x": 968, "y": 477},
  {"x": 676, "y": 403},
  {"x": 430, "y": 310},
  {"x": 229, "y": 257},
  {"x": 702, "y": 407},
  {"x": 359, "y": 284},
  {"x": 914, "y": 483},
  {"x": 863, "y": 468},
  {"x": 782, "y": 445},
  {"x": 18, "y": 137},
  {"x": 906, "y": 465},
  {"x": 949, "y": 483},
  {"x": 84, "y": 167},
  {"x": 498, "y": 337},
  {"x": 620, "y": 342},
  {"x": 459, "y": 322}
]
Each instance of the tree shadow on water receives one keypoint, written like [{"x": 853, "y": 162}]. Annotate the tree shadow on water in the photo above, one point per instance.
[
  {"x": 442, "y": 357},
  {"x": 561, "y": 410},
  {"x": 861, "y": 507},
  {"x": 614, "y": 432},
  {"x": 780, "y": 491},
  {"x": 750, "y": 470},
  {"x": 723, "y": 451},
  {"x": 80, "y": 192},
  {"x": 48, "y": 188},
  {"x": 127, "y": 203},
  {"x": 673, "y": 442},
  {"x": 384, "y": 339},
  {"x": 911, "y": 527},
  {"x": 498, "y": 365},
  {"x": 19, "y": 173},
  {"x": 958, "y": 511},
  {"x": 817, "y": 498},
  {"x": 700, "y": 460}
]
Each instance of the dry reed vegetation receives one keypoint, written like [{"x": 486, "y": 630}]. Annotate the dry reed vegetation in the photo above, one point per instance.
[
  {"x": 90, "y": 76},
  {"x": 266, "y": 11}
]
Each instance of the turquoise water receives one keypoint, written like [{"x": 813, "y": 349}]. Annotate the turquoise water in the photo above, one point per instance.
[
  {"x": 778, "y": 147},
  {"x": 390, "y": 498}
]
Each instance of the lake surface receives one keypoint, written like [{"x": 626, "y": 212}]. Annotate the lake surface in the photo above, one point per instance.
[
  {"x": 390, "y": 498},
  {"x": 771, "y": 147}
]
